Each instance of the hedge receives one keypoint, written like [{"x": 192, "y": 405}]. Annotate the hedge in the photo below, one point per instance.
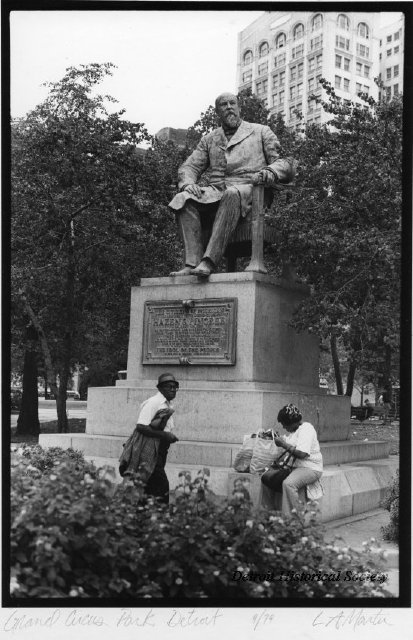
[{"x": 75, "y": 533}]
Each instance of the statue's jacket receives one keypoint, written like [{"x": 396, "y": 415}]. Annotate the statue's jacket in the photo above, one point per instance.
[{"x": 232, "y": 163}]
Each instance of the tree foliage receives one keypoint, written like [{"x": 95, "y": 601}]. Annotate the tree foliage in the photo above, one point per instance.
[
  {"x": 83, "y": 228},
  {"x": 343, "y": 226}
]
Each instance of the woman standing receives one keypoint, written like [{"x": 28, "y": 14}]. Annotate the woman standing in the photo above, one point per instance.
[{"x": 303, "y": 444}]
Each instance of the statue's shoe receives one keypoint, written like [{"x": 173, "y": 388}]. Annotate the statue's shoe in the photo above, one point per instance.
[
  {"x": 202, "y": 270},
  {"x": 186, "y": 271}
]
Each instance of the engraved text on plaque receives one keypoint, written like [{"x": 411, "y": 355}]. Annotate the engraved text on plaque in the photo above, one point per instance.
[{"x": 190, "y": 331}]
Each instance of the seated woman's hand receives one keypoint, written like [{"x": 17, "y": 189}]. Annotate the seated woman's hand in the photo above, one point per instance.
[{"x": 280, "y": 442}]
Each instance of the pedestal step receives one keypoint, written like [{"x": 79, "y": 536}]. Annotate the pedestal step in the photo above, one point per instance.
[
  {"x": 349, "y": 489},
  {"x": 211, "y": 453}
]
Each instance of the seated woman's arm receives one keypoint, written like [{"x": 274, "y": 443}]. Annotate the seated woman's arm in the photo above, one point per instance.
[{"x": 302, "y": 455}]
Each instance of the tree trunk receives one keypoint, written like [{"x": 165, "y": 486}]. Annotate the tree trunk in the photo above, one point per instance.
[
  {"x": 336, "y": 364},
  {"x": 62, "y": 422},
  {"x": 28, "y": 420},
  {"x": 350, "y": 379}
]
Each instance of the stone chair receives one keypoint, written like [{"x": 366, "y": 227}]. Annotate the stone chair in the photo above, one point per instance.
[{"x": 252, "y": 233}]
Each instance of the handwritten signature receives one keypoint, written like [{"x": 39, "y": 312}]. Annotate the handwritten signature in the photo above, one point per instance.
[{"x": 354, "y": 619}]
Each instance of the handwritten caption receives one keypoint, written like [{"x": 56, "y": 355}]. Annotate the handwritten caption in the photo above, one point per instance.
[{"x": 19, "y": 621}]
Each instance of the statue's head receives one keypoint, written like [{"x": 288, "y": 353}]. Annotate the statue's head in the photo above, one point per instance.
[{"x": 227, "y": 109}]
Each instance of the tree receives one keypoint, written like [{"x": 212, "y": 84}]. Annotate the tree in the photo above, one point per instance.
[
  {"x": 342, "y": 229},
  {"x": 28, "y": 420},
  {"x": 76, "y": 227}
]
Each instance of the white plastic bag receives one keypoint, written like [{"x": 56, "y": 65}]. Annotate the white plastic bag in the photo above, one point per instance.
[
  {"x": 243, "y": 458},
  {"x": 264, "y": 454}
]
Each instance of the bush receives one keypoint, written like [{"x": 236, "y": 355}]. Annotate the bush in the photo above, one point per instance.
[
  {"x": 74, "y": 533},
  {"x": 391, "y": 503}
]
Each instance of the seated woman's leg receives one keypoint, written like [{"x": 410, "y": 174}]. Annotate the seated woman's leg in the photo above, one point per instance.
[{"x": 294, "y": 488}]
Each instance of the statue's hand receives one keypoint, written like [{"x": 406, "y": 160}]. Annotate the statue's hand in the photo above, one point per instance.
[
  {"x": 194, "y": 190},
  {"x": 265, "y": 176}
]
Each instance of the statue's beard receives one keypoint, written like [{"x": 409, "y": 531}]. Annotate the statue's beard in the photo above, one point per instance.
[{"x": 230, "y": 121}]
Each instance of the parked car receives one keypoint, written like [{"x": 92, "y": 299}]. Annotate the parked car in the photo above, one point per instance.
[{"x": 73, "y": 395}]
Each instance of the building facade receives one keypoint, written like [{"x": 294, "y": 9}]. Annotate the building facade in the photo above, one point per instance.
[
  {"x": 282, "y": 56},
  {"x": 392, "y": 58}
]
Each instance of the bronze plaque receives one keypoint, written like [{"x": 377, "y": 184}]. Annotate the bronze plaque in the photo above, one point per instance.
[{"x": 190, "y": 331}]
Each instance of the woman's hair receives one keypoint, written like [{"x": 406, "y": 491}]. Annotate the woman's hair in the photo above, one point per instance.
[{"x": 289, "y": 414}]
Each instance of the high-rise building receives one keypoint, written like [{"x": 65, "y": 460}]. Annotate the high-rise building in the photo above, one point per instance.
[
  {"x": 282, "y": 56},
  {"x": 392, "y": 56}
]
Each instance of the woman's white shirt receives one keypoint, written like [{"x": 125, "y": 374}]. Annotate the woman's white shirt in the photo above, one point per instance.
[{"x": 305, "y": 439}]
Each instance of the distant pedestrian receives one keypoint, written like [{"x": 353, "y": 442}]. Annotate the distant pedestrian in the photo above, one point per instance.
[{"x": 385, "y": 402}]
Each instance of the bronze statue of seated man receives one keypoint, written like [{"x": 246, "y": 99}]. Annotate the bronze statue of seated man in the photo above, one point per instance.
[{"x": 238, "y": 155}]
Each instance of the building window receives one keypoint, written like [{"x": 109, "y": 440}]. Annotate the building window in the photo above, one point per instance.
[
  {"x": 262, "y": 87},
  {"x": 265, "y": 102},
  {"x": 311, "y": 84},
  {"x": 317, "y": 120},
  {"x": 293, "y": 74},
  {"x": 366, "y": 71},
  {"x": 346, "y": 84},
  {"x": 311, "y": 105},
  {"x": 300, "y": 89},
  {"x": 280, "y": 41},
  {"x": 316, "y": 43},
  {"x": 363, "y": 30},
  {"x": 281, "y": 96},
  {"x": 275, "y": 81},
  {"x": 388, "y": 52},
  {"x": 317, "y": 22},
  {"x": 300, "y": 70},
  {"x": 343, "y": 22},
  {"x": 388, "y": 92},
  {"x": 263, "y": 68},
  {"x": 346, "y": 64},
  {"x": 396, "y": 50},
  {"x": 396, "y": 90},
  {"x": 337, "y": 82},
  {"x": 396, "y": 70},
  {"x": 319, "y": 59},
  {"x": 366, "y": 89},
  {"x": 279, "y": 60},
  {"x": 388, "y": 38},
  {"x": 293, "y": 92},
  {"x": 362, "y": 51},
  {"x": 338, "y": 61},
  {"x": 247, "y": 76},
  {"x": 396, "y": 35},
  {"x": 298, "y": 31},
  {"x": 264, "y": 49},
  {"x": 342, "y": 43},
  {"x": 359, "y": 68},
  {"x": 358, "y": 87},
  {"x": 299, "y": 108},
  {"x": 388, "y": 73},
  {"x": 297, "y": 52},
  {"x": 247, "y": 58},
  {"x": 380, "y": 57}
]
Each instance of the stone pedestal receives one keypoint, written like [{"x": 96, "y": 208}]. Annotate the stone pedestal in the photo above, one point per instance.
[{"x": 259, "y": 363}]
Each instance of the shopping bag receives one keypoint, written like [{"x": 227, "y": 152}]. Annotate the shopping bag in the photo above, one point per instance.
[
  {"x": 265, "y": 451},
  {"x": 243, "y": 458}
]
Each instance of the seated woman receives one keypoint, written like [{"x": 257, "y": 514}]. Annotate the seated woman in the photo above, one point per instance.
[{"x": 307, "y": 470}]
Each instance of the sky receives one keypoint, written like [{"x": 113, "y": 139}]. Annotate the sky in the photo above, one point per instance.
[{"x": 171, "y": 65}]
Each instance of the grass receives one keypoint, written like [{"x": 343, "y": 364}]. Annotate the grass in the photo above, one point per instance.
[
  {"x": 376, "y": 430},
  {"x": 76, "y": 425}
]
